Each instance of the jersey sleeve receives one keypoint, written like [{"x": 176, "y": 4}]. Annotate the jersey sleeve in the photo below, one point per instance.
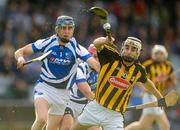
[
  {"x": 107, "y": 54},
  {"x": 171, "y": 73},
  {"x": 143, "y": 77},
  {"x": 38, "y": 46},
  {"x": 41, "y": 44},
  {"x": 83, "y": 53},
  {"x": 171, "y": 69},
  {"x": 81, "y": 74}
]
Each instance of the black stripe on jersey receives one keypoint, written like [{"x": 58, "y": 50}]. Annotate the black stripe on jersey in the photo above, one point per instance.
[
  {"x": 122, "y": 107},
  {"x": 115, "y": 71},
  {"x": 118, "y": 100},
  {"x": 106, "y": 71},
  {"x": 110, "y": 96},
  {"x": 107, "y": 83},
  {"x": 134, "y": 74}
]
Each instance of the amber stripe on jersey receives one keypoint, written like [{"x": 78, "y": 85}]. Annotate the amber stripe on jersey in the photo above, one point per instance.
[
  {"x": 158, "y": 73},
  {"x": 110, "y": 96}
]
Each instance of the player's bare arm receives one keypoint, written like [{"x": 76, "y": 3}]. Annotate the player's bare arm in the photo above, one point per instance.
[
  {"x": 101, "y": 41},
  {"x": 26, "y": 50},
  {"x": 93, "y": 64},
  {"x": 152, "y": 89},
  {"x": 86, "y": 90}
]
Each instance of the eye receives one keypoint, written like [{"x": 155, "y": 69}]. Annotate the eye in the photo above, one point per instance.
[
  {"x": 134, "y": 49},
  {"x": 70, "y": 27},
  {"x": 63, "y": 27},
  {"x": 126, "y": 47}
]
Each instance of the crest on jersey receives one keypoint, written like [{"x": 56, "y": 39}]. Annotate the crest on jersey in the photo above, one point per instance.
[
  {"x": 119, "y": 83},
  {"x": 68, "y": 55}
]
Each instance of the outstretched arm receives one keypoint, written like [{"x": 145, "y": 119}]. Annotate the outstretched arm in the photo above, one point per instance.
[
  {"x": 152, "y": 89},
  {"x": 26, "y": 50},
  {"x": 101, "y": 41}
]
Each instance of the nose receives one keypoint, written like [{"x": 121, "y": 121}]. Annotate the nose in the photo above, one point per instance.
[
  {"x": 66, "y": 30},
  {"x": 129, "y": 51}
]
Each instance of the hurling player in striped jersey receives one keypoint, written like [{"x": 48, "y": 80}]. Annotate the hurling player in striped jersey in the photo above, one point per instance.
[{"x": 51, "y": 92}]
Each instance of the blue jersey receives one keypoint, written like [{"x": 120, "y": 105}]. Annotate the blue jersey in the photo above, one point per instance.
[
  {"x": 84, "y": 74},
  {"x": 60, "y": 67}
]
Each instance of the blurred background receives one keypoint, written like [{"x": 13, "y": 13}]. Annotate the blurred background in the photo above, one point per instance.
[{"x": 25, "y": 21}]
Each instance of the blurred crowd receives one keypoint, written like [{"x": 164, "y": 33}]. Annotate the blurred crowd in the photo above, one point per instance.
[{"x": 25, "y": 21}]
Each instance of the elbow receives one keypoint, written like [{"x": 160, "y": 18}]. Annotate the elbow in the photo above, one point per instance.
[{"x": 98, "y": 66}]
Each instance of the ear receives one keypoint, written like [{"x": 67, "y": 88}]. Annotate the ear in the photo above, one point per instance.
[
  {"x": 122, "y": 46},
  {"x": 56, "y": 29}
]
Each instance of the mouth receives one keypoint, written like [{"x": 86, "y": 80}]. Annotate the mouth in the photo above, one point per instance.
[{"x": 127, "y": 58}]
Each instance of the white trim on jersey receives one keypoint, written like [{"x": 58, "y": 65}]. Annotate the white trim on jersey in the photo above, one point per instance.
[
  {"x": 51, "y": 45},
  {"x": 83, "y": 74},
  {"x": 46, "y": 73},
  {"x": 73, "y": 70},
  {"x": 46, "y": 65}
]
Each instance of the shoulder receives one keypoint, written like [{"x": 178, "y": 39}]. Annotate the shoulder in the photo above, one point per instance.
[
  {"x": 74, "y": 43},
  {"x": 48, "y": 40},
  {"x": 51, "y": 38},
  {"x": 83, "y": 66},
  {"x": 168, "y": 63},
  {"x": 140, "y": 66},
  {"x": 147, "y": 62},
  {"x": 73, "y": 40}
]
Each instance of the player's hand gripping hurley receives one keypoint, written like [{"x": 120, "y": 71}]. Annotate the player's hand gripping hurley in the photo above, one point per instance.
[
  {"x": 38, "y": 59},
  {"x": 170, "y": 100},
  {"x": 102, "y": 13}
]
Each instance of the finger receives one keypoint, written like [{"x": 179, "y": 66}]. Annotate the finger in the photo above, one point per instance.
[
  {"x": 114, "y": 46},
  {"x": 20, "y": 64},
  {"x": 110, "y": 39}
]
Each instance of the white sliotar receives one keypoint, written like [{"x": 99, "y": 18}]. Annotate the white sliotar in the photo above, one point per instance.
[{"x": 106, "y": 26}]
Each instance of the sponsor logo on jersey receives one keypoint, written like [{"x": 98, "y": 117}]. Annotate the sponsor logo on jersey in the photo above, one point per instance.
[
  {"x": 119, "y": 82},
  {"x": 59, "y": 61}
]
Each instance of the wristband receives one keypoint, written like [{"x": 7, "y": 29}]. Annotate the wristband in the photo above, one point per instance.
[
  {"x": 20, "y": 58},
  {"x": 162, "y": 102}
]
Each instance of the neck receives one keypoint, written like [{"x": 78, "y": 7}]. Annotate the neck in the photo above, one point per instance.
[
  {"x": 61, "y": 43},
  {"x": 128, "y": 63}
]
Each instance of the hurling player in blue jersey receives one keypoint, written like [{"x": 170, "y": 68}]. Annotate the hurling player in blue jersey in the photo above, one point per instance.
[
  {"x": 82, "y": 91},
  {"x": 57, "y": 71}
]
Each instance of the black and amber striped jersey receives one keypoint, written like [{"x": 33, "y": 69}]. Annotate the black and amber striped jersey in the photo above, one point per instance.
[
  {"x": 116, "y": 80},
  {"x": 158, "y": 73}
]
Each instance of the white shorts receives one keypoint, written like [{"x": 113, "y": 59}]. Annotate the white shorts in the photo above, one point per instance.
[
  {"x": 57, "y": 98},
  {"x": 96, "y": 115},
  {"x": 155, "y": 110},
  {"x": 76, "y": 108}
]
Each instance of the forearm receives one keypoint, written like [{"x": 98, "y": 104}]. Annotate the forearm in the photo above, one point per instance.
[
  {"x": 90, "y": 96},
  {"x": 19, "y": 53},
  {"x": 26, "y": 50},
  {"x": 99, "y": 43},
  {"x": 94, "y": 64},
  {"x": 152, "y": 89},
  {"x": 86, "y": 90}
]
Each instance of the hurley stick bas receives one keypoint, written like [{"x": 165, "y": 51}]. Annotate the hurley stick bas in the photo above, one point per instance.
[
  {"x": 170, "y": 100},
  {"x": 103, "y": 14},
  {"x": 38, "y": 59}
]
